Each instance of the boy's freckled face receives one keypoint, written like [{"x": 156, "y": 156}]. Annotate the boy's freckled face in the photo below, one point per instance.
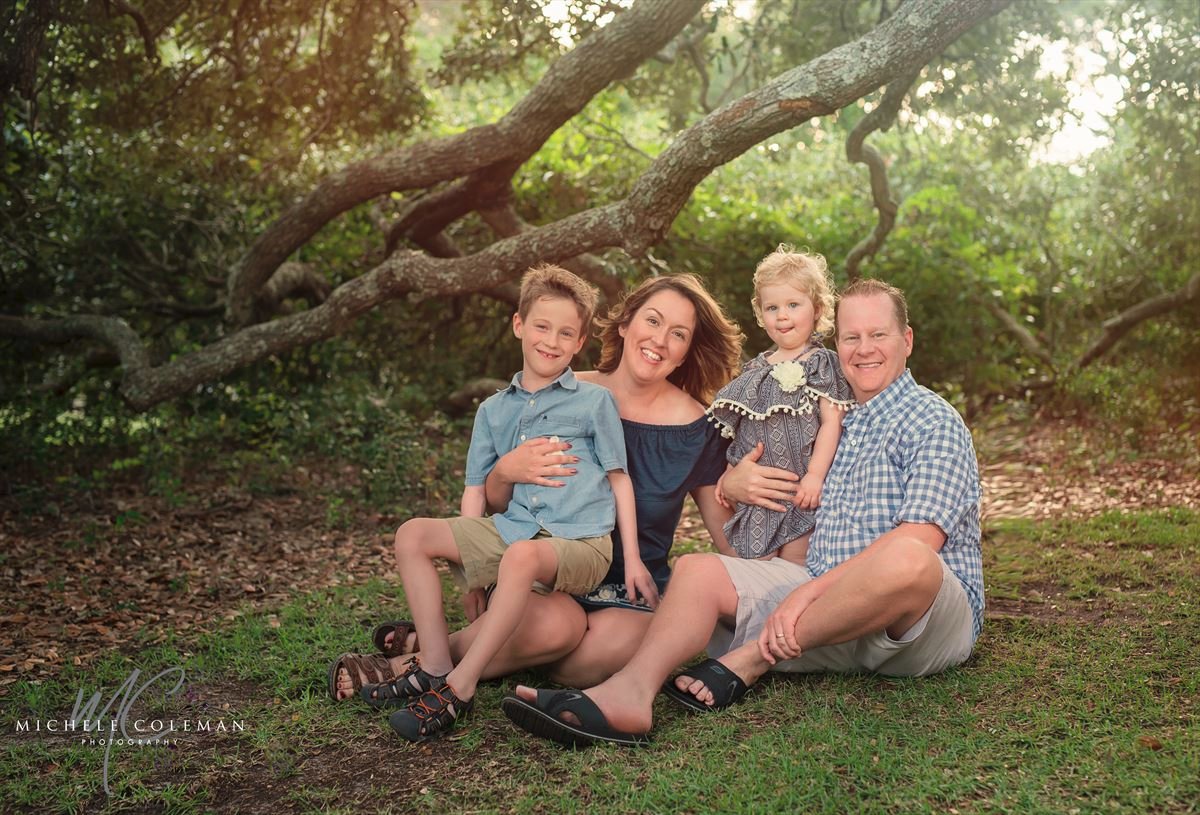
[{"x": 551, "y": 334}]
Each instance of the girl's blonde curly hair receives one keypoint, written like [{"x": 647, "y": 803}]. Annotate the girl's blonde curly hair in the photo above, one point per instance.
[{"x": 807, "y": 272}]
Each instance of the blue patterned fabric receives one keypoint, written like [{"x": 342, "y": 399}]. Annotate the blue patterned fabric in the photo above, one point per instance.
[
  {"x": 579, "y": 412},
  {"x": 905, "y": 457},
  {"x": 757, "y": 407}
]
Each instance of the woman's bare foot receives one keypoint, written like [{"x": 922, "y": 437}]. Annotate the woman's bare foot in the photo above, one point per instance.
[{"x": 345, "y": 684}]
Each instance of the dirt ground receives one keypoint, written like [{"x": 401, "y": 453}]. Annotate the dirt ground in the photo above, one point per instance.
[{"x": 89, "y": 572}]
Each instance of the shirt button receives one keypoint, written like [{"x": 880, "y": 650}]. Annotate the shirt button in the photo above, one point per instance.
[
  {"x": 535, "y": 500},
  {"x": 532, "y": 401},
  {"x": 522, "y": 437}
]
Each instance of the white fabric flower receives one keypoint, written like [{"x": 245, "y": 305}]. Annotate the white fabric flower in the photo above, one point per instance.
[{"x": 789, "y": 375}]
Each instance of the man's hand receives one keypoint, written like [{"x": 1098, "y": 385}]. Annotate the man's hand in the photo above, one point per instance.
[
  {"x": 749, "y": 482},
  {"x": 777, "y": 640}
]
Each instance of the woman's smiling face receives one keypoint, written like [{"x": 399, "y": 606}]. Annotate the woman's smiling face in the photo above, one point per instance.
[{"x": 659, "y": 335}]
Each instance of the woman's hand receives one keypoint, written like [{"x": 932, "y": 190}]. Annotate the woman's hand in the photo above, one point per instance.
[
  {"x": 749, "y": 482},
  {"x": 537, "y": 461},
  {"x": 639, "y": 583}
]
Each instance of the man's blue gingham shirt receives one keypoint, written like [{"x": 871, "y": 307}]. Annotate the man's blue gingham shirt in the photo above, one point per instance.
[
  {"x": 581, "y": 413},
  {"x": 905, "y": 457}
]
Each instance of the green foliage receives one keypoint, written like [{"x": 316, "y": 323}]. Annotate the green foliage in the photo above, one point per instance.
[
  {"x": 134, "y": 183},
  {"x": 250, "y": 437}
]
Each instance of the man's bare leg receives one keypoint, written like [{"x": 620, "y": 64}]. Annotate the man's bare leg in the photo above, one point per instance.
[
  {"x": 887, "y": 586},
  {"x": 700, "y": 594}
]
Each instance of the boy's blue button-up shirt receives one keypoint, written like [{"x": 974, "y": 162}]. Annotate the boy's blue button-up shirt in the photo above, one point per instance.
[
  {"x": 577, "y": 412},
  {"x": 905, "y": 457}
]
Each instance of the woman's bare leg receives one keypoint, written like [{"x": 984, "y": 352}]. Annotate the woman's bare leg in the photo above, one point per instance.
[{"x": 612, "y": 637}]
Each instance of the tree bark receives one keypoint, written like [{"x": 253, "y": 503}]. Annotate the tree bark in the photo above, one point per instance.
[
  {"x": 1117, "y": 327},
  {"x": 1022, "y": 334},
  {"x": 608, "y": 54},
  {"x": 881, "y": 118},
  {"x": 18, "y": 63},
  {"x": 918, "y": 30}
]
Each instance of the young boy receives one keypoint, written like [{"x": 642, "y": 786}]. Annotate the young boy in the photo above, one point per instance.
[{"x": 546, "y": 539}]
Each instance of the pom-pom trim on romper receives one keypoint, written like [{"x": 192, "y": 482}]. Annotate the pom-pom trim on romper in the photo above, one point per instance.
[{"x": 805, "y": 408}]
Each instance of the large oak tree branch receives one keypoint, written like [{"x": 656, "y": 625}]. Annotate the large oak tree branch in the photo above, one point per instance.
[
  {"x": 506, "y": 223},
  {"x": 607, "y": 54},
  {"x": 920, "y": 29},
  {"x": 114, "y": 332},
  {"x": 1020, "y": 333}
]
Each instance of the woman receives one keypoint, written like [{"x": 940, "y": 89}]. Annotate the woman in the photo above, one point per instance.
[{"x": 665, "y": 350}]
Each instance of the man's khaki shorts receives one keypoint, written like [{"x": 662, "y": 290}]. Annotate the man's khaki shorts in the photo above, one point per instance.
[
  {"x": 942, "y": 638},
  {"x": 582, "y": 563}
]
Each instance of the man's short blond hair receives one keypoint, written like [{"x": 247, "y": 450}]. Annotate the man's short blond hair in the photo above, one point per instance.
[{"x": 869, "y": 287}]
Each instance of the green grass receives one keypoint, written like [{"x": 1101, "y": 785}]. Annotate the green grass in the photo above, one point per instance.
[{"x": 1081, "y": 697}]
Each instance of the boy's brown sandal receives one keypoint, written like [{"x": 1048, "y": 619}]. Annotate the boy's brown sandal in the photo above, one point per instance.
[
  {"x": 431, "y": 716},
  {"x": 401, "y": 690}
]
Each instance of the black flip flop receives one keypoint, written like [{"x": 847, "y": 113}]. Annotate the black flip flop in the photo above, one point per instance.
[
  {"x": 541, "y": 718},
  {"x": 726, "y": 686}
]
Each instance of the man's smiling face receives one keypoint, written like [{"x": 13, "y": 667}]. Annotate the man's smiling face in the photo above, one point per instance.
[{"x": 872, "y": 345}]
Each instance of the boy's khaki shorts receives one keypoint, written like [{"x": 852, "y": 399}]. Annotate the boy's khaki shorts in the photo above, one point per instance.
[
  {"x": 942, "y": 638},
  {"x": 582, "y": 563}
]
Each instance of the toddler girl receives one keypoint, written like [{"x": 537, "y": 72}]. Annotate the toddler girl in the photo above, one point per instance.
[{"x": 789, "y": 399}]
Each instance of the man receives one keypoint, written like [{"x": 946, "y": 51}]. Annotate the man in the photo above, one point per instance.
[{"x": 892, "y": 581}]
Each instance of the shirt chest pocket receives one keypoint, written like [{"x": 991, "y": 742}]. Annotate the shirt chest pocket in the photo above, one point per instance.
[{"x": 565, "y": 428}]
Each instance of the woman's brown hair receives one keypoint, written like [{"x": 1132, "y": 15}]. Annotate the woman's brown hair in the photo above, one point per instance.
[{"x": 716, "y": 348}]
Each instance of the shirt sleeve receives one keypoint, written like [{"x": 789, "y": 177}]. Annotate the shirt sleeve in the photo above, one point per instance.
[
  {"x": 710, "y": 464},
  {"x": 481, "y": 454},
  {"x": 942, "y": 478},
  {"x": 609, "y": 438}
]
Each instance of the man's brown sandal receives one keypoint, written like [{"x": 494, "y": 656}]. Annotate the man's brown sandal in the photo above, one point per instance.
[
  {"x": 374, "y": 667},
  {"x": 401, "y": 690},
  {"x": 431, "y": 716}
]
